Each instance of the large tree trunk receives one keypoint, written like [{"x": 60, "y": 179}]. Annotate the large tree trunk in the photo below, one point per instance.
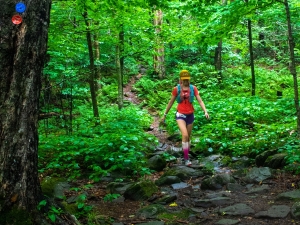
[
  {"x": 159, "y": 57},
  {"x": 97, "y": 60},
  {"x": 292, "y": 66},
  {"x": 22, "y": 54}
]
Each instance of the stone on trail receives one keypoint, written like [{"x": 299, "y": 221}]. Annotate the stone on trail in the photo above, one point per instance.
[
  {"x": 276, "y": 211},
  {"x": 167, "y": 199},
  {"x": 167, "y": 180},
  {"x": 150, "y": 211},
  {"x": 157, "y": 163},
  {"x": 262, "y": 157},
  {"x": 60, "y": 188},
  {"x": 140, "y": 191},
  {"x": 258, "y": 174},
  {"x": 152, "y": 223},
  {"x": 227, "y": 222},
  {"x": 276, "y": 161},
  {"x": 218, "y": 194},
  {"x": 261, "y": 189},
  {"x": 290, "y": 195},
  {"x": 239, "y": 209},
  {"x": 180, "y": 185},
  {"x": 216, "y": 182},
  {"x": 295, "y": 211},
  {"x": 183, "y": 172},
  {"x": 117, "y": 187},
  {"x": 206, "y": 203},
  {"x": 234, "y": 187}
]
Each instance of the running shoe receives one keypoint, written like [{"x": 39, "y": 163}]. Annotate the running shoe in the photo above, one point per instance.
[{"x": 188, "y": 163}]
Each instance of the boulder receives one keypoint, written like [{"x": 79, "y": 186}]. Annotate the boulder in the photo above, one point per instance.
[
  {"x": 217, "y": 182},
  {"x": 140, "y": 191},
  {"x": 167, "y": 180},
  {"x": 157, "y": 163},
  {"x": 262, "y": 157},
  {"x": 276, "y": 161},
  {"x": 295, "y": 211},
  {"x": 256, "y": 175}
]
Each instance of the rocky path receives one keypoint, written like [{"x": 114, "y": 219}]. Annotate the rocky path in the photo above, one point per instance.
[
  {"x": 210, "y": 193},
  {"x": 221, "y": 196}
]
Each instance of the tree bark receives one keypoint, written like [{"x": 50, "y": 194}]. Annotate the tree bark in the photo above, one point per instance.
[
  {"x": 97, "y": 66},
  {"x": 22, "y": 55},
  {"x": 159, "y": 57},
  {"x": 92, "y": 66},
  {"x": 120, "y": 67},
  {"x": 218, "y": 61},
  {"x": 292, "y": 66},
  {"x": 253, "y": 80}
]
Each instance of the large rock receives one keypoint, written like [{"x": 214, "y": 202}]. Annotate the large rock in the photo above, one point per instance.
[
  {"x": 55, "y": 187},
  {"x": 258, "y": 190},
  {"x": 256, "y": 175},
  {"x": 183, "y": 172},
  {"x": 166, "y": 199},
  {"x": 237, "y": 210},
  {"x": 151, "y": 211},
  {"x": 262, "y": 157},
  {"x": 140, "y": 191},
  {"x": 217, "y": 182},
  {"x": 275, "y": 212},
  {"x": 157, "y": 163},
  {"x": 117, "y": 187},
  {"x": 234, "y": 187},
  {"x": 276, "y": 161},
  {"x": 295, "y": 211},
  {"x": 206, "y": 203},
  {"x": 167, "y": 180},
  {"x": 290, "y": 195}
]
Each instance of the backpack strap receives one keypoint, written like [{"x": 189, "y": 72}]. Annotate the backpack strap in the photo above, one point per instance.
[
  {"x": 192, "y": 94},
  {"x": 178, "y": 93}
]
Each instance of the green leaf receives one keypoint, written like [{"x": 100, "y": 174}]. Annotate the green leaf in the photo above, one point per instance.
[{"x": 52, "y": 217}]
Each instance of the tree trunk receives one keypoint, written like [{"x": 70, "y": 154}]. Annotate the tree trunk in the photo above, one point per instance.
[
  {"x": 97, "y": 59},
  {"x": 120, "y": 67},
  {"x": 218, "y": 55},
  {"x": 159, "y": 57},
  {"x": 292, "y": 66},
  {"x": 92, "y": 66},
  {"x": 22, "y": 55},
  {"x": 253, "y": 82},
  {"x": 218, "y": 61}
]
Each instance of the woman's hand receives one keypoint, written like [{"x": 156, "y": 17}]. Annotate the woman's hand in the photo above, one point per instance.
[
  {"x": 206, "y": 115},
  {"x": 163, "y": 120}
]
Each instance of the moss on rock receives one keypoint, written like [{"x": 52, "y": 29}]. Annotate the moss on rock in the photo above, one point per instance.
[
  {"x": 175, "y": 216},
  {"x": 70, "y": 208},
  {"x": 141, "y": 190},
  {"x": 48, "y": 185}
]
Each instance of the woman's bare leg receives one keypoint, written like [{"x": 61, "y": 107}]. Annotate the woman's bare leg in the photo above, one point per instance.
[{"x": 184, "y": 137}]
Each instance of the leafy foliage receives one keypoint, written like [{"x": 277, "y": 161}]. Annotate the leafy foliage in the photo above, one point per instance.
[{"x": 119, "y": 144}]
